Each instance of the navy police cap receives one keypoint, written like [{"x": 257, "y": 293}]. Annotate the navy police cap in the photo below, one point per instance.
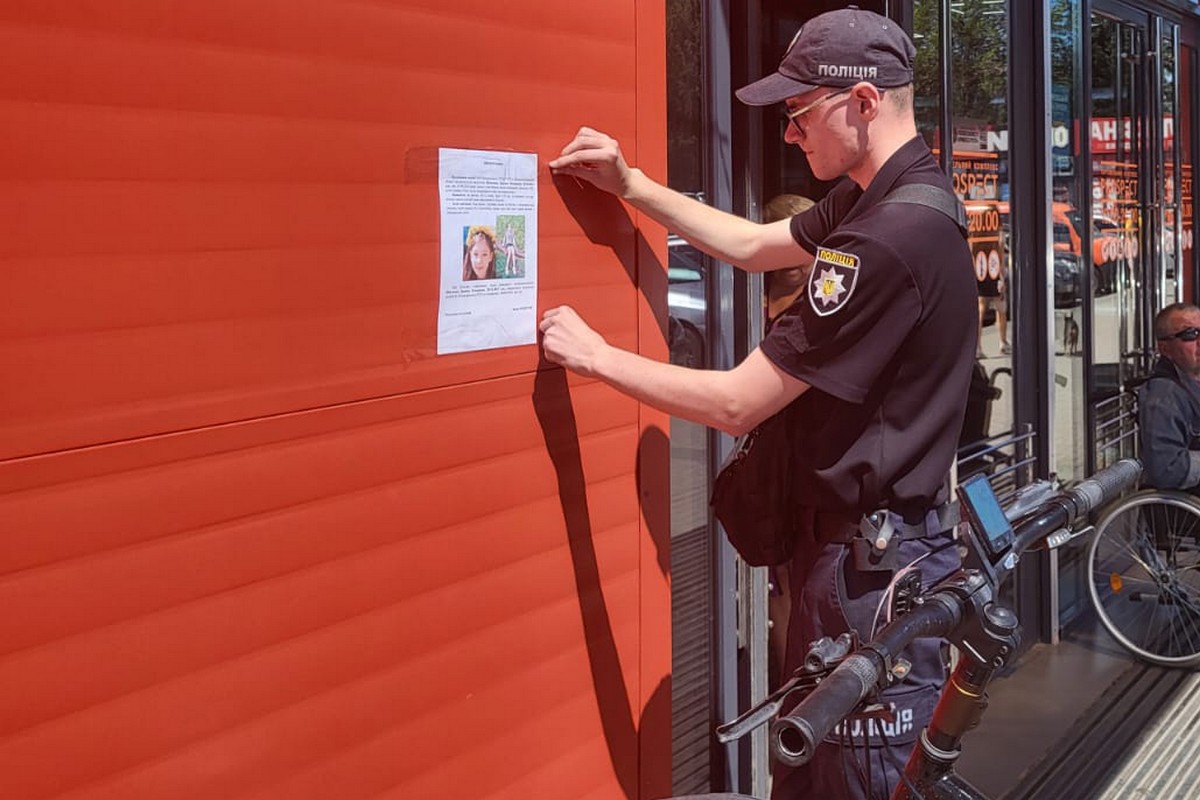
[{"x": 838, "y": 48}]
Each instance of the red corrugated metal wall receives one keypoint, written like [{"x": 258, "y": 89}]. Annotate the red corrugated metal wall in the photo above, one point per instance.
[{"x": 256, "y": 539}]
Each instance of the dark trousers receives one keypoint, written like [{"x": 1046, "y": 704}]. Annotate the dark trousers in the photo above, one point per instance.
[{"x": 829, "y": 597}]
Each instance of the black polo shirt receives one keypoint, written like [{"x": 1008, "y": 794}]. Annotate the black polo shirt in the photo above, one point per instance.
[{"x": 886, "y": 338}]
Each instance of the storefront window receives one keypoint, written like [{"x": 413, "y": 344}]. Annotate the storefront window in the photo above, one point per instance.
[
  {"x": 977, "y": 95},
  {"x": 979, "y": 110},
  {"x": 1177, "y": 234},
  {"x": 1119, "y": 244},
  {"x": 1184, "y": 269},
  {"x": 1170, "y": 203},
  {"x": 927, "y": 71},
  {"x": 1069, "y": 193}
]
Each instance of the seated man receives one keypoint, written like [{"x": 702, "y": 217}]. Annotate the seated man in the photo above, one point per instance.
[{"x": 1169, "y": 402}]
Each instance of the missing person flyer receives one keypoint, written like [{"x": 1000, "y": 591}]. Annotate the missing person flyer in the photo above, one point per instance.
[{"x": 488, "y": 295}]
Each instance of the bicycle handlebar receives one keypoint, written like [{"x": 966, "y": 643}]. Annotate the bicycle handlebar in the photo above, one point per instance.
[
  {"x": 795, "y": 736},
  {"x": 1062, "y": 510},
  {"x": 1103, "y": 487}
]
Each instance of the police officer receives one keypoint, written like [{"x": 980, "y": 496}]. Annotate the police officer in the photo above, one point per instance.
[
  {"x": 879, "y": 354},
  {"x": 1169, "y": 402}
]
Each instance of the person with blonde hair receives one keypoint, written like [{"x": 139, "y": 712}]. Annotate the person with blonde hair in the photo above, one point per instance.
[
  {"x": 781, "y": 287},
  {"x": 479, "y": 254},
  {"x": 511, "y": 268}
]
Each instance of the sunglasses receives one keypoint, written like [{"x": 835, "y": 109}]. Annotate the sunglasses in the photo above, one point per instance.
[
  {"x": 1185, "y": 335},
  {"x": 793, "y": 114}
]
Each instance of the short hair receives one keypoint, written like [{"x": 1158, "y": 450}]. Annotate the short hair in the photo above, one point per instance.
[
  {"x": 785, "y": 206},
  {"x": 1161, "y": 328},
  {"x": 901, "y": 97}
]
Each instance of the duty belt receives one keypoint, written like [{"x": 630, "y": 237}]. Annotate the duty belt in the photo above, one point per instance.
[
  {"x": 879, "y": 527},
  {"x": 875, "y": 538}
]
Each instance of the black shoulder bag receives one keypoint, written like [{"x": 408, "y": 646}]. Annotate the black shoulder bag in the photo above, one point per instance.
[{"x": 751, "y": 495}]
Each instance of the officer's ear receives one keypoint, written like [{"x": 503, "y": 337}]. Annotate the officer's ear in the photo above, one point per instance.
[{"x": 868, "y": 98}]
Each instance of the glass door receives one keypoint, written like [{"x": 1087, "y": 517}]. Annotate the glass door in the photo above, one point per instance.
[
  {"x": 1103, "y": 233},
  {"x": 1119, "y": 228},
  {"x": 1177, "y": 59}
]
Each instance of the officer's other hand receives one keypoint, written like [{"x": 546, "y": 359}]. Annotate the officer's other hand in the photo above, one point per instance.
[
  {"x": 568, "y": 341},
  {"x": 595, "y": 157}
]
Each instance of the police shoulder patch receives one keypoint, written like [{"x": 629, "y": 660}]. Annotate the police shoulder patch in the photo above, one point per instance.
[{"x": 834, "y": 276}]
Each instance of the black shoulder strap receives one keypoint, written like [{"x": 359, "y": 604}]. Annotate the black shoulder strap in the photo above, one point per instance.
[{"x": 923, "y": 194}]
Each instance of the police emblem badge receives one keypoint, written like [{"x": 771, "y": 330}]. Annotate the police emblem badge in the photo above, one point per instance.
[{"x": 834, "y": 276}]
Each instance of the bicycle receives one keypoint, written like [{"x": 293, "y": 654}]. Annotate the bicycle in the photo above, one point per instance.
[
  {"x": 1144, "y": 576},
  {"x": 845, "y": 680}
]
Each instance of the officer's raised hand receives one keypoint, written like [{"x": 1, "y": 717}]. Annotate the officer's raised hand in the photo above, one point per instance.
[
  {"x": 596, "y": 157},
  {"x": 569, "y": 341}
]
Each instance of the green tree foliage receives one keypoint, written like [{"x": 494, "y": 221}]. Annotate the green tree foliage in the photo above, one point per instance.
[
  {"x": 927, "y": 33},
  {"x": 979, "y": 44},
  {"x": 927, "y": 75},
  {"x": 1063, "y": 36}
]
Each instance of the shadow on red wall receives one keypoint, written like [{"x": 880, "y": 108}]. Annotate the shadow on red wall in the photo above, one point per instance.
[{"x": 605, "y": 221}]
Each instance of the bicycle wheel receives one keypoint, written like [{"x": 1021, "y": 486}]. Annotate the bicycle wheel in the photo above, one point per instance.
[{"x": 1144, "y": 567}]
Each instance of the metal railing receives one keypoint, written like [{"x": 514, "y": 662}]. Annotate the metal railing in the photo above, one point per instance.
[
  {"x": 1009, "y": 459},
  {"x": 1116, "y": 428}
]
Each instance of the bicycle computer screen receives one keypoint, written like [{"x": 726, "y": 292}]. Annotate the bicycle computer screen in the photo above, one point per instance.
[{"x": 985, "y": 514}]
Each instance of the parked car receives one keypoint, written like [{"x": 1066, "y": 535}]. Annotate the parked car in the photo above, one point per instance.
[
  {"x": 687, "y": 303},
  {"x": 1068, "y": 283},
  {"x": 1110, "y": 244}
]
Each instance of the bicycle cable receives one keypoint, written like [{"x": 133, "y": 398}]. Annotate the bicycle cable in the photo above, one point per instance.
[
  {"x": 886, "y": 597},
  {"x": 902, "y": 768}
]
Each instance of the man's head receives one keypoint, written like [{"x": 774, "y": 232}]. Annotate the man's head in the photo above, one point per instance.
[
  {"x": 847, "y": 81},
  {"x": 1177, "y": 329}
]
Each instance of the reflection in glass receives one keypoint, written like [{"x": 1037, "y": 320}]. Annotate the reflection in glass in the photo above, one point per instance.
[
  {"x": 1116, "y": 248},
  {"x": 978, "y": 97},
  {"x": 979, "y": 107},
  {"x": 927, "y": 90},
  {"x": 1068, "y": 196},
  {"x": 1185, "y": 273},
  {"x": 692, "y": 597},
  {"x": 1169, "y": 284}
]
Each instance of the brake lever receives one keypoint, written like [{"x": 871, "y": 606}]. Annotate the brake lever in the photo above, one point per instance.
[
  {"x": 766, "y": 710},
  {"x": 823, "y": 656}
]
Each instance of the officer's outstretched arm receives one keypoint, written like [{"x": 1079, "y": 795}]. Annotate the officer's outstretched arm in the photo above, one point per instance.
[
  {"x": 596, "y": 157},
  {"x": 734, "y": 400}
]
